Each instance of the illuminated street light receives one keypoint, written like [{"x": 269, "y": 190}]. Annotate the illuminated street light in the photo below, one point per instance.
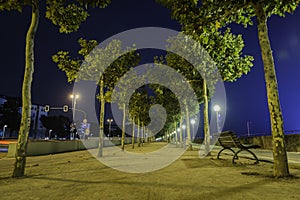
[
  {"x": 217, "y": 108},
  {"x": 74, "y": 99},
  {"x": 3, "y": 130}
]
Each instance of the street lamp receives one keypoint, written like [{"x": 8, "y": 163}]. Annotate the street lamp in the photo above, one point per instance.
[
  {"x": 4, "y": 127},
  {"x": 183, "y": 128},
  {"x": 248, "y": 127},
  {"x": 74, "y": 98},
  {"x": 109, "y": 125},
  {"x": 50, "y": 134},
  {"x": 217, "y": 108},
  {"x": 193, "y": 121}
]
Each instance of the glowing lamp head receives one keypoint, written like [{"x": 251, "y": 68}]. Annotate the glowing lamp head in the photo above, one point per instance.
[
  {"x": 72, "y": 96},
  {"x": 217, "y": 108},
  {"x": 193, "y": 121}
]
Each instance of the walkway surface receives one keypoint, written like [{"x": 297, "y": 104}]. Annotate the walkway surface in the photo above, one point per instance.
[{"x": 262, "y": 154}]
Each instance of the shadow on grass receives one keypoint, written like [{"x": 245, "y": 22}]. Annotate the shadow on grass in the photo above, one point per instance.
[{"x": 232, "y": 191}]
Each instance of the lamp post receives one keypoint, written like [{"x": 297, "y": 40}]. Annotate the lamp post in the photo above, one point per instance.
[
  {"x": 184, "y": 133},
  {"x": 217, "y": 108},
  {"x": 4, "y": 127},
  {"x": 50, "y": 132},
  {"x": 109, "y": 126},
  {"x": 248, "y": 128},
  {"x": 179, "y": 130},
  {"x": 74, "y": 99},
  {"x": 193, "y": 121}
]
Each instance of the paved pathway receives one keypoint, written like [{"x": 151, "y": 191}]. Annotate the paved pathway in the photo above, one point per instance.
[{"x": 262, "y": 154}]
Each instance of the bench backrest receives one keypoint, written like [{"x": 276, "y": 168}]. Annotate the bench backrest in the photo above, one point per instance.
[{"x": 228, "y": 139}]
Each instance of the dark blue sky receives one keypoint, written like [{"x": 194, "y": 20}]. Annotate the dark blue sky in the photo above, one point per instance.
[{"x": 246, "y": 98}]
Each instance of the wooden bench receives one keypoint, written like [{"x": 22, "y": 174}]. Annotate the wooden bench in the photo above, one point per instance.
[{"x": 229, "y": 140}]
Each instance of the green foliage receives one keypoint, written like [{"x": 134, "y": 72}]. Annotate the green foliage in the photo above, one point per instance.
[
  {"x": 12, "y": 5},
  {"x": 94, "y": 3},
  {"x": 94, "y": 61},
  {"x": 86, "y": 46},
  {"x": 67, "y": 64},
  {"x": 166, "y": 98},
  {"x": 67, "y": 17},
  {"x": 223, "y": 47},
  {"x": 221, "y": 13},
  {"x": 139, "y": 106}
]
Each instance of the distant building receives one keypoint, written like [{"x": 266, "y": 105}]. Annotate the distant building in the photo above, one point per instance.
[{"x": 37, "y": 127}]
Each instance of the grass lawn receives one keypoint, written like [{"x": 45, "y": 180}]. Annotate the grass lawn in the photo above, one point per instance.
[{"x": 78, "y": 175}]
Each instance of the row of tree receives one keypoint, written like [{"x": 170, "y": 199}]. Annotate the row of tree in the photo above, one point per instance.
[
  {"x": 206, "y": 22},
  {"x": 197, "y": 16}
]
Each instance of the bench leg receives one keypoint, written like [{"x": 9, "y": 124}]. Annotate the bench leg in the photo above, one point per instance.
[
  {"x": 255, "y": 157},
  {"x": 218, "y": 157}
]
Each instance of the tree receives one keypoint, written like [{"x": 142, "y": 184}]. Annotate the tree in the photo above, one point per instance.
[
  {"x": 245, "y": 12},
  {"x": 139, "y": 106},
  {"x": 68, "y": 17},
  {"x": 94, "y": 59},
  {"x": 165, "y": 97}
]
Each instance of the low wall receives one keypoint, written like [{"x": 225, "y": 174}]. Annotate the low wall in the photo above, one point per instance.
[
  {"x": 292, "y": 142},
  {"x": 35, "y": 148}
]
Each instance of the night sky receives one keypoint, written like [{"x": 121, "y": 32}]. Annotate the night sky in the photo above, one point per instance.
[{"x": 246, "y": 98}]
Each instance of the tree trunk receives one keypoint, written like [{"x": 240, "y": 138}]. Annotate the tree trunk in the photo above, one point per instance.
[
  {"x": 206, "y": 120},
  {"x": 180, "y": 132},
  {"x": 138, "y": 133},
  {"x": 279, "y": 152},
  {"x": 20, "y": 162},
  {"x": 147, "y": 135},
  {"x": 101, "y": 118},
  {"x": 176, "y": 138},
  {"x": 132, "y": 140},
  {"x": 167, "y": 136},
  {"x": 123, "y": 128},
  {"x": 188, "y": 129},
  {"x": 142, "y": 135}
]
